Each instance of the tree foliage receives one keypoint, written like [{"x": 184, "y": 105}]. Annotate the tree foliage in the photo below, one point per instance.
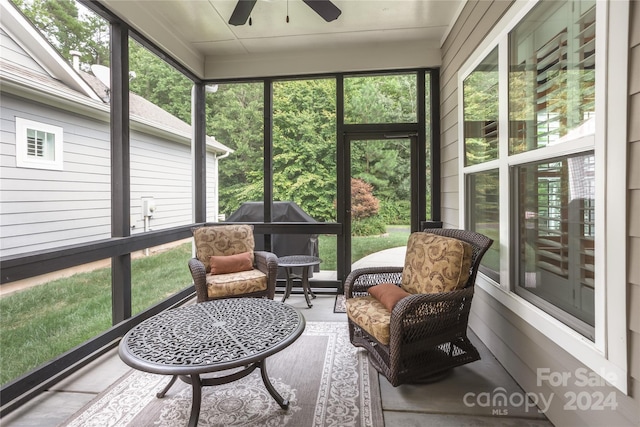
[{"x": 69, "y": 27}]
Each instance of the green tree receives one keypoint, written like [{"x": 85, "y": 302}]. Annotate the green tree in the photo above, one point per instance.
[
  {"x": 157, "y": 82},
  {"x": 235, "y": 118},
  {"x": 304, "y": 134},
  {"x": 69, "y": 26}
]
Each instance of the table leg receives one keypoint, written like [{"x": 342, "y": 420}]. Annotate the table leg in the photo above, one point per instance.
[
  {"x": 164, "y": 391},
  {"x": 196, "y": 387},
  {"x": 289, "y": 285},
  {"x": 305, "y": 285},
  {"x": 310, "y": 291},
  {"x": 284, "y": 403}
]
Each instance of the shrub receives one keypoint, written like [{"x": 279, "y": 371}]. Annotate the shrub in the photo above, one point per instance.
[
  {"x": 370, "y": 226},
  {"x": 363, "y": 203},
  {"x": 395, "y": 211}
]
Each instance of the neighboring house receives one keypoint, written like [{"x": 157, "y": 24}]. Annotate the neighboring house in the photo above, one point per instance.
[{"x": 55, "y": 152}]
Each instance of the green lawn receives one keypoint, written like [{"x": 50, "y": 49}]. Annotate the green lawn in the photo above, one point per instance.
[
  {"x": 44, "y": 321},
  {"x": 397, "y": 235}
]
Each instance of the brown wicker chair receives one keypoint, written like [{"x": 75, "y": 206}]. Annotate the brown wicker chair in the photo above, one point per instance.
[
  {"x": 427, "y": 333},
  {"x": 225, "y": 240}
]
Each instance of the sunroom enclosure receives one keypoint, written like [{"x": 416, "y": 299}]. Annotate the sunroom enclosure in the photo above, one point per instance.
[{"x": 420, "y": 127}]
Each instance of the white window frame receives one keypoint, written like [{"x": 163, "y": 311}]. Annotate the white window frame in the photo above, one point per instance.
[
  {"x": 607, "y": 354},
  {"x": 23, "y": 160}
]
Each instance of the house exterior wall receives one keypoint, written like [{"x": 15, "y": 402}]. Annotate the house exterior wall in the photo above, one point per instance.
[
  {"x": 45, "y": 209},
  {"x": 634, "y": 198},
  {"x": 520, "y": 347}
]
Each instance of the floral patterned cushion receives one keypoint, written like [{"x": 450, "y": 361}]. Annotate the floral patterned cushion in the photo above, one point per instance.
[
  {"x": 435, "y": 263},
  {"x": 371, "y": 316},
  {"x": 221, "y": 285},
  {"x": 223, "y": 240}
]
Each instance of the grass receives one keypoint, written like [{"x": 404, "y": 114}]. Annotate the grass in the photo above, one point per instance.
[
  {"x": 362, "y": 246},
  {"x": 42, "y": 322}
]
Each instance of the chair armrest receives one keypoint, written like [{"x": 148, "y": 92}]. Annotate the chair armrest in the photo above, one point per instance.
[
  {"x": 267, "y": 262},
  {"x": 199, "y": 275},
  {"x": 360, "y": 280},
  {"x": 439, "y": 316}
]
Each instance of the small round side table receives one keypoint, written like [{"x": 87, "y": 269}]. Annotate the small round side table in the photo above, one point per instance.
[{"x": 296, "y": 261}]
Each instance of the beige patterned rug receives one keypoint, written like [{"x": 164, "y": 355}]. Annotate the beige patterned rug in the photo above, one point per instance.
[
  {"x": 340, "y": 306},
  {"x": 327, "y": 380}
]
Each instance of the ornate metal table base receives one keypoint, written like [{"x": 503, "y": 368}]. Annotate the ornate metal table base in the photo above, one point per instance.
[
  {"x": 197, "y": 383},
  {"x": 216, "y": 336},
  {"x": 298, "y": 261}
]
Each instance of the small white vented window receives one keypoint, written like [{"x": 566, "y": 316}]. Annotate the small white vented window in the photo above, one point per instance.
[{"x": 38, "y": 145}]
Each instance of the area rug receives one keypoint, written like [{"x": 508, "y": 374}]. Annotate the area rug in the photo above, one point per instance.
[
  {"x": 339, "y": 306},
  {"x": 327, "y": 380}
]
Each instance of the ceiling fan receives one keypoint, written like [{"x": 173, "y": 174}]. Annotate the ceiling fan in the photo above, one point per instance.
[{"x": 327, "y": 10}]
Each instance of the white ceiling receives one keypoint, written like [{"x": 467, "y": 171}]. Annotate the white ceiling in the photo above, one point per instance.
[{"x": 369, "y": 34}]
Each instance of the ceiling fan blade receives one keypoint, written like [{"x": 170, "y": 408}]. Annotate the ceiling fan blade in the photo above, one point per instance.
[
  {"x": 241, "y": 12},
  {"x": 327, "y": 10}
]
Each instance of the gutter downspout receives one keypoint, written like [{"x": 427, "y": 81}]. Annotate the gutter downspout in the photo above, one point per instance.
[{"x": 216, "y": 207}]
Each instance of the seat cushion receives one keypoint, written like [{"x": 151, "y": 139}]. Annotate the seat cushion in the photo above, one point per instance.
[
  {"x": 244, "y": 282},
  {"x": 223, "y": 240},
  {"x": 435, "y": 263},
  {"x": 369, "y": 313}
]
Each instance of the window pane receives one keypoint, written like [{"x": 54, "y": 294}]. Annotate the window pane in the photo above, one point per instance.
[
  {"x": 235, "y": 117},
  {"x": 552, "y": 75},
  {"x": 59, "y": 208},
  {"x": 380, "y": 99},
  {"x": 481, "y": 112},
  {"x": 49, "y": 146},
  {"x": 161, "y": 166},
  {"x": 161, "y": 173},
  {"x": 484, "y": 216},
  {"x": 556, "y": 207},
  {"x": 304, "y": 145},
  {"x": 46, "y": 316}
]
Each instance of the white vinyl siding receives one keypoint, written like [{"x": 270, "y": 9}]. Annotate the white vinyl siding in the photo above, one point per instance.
[{"x": 47, "y": 209}]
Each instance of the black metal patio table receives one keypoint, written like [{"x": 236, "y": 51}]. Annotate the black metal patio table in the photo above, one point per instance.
[
  {"x": 231, "y": 334},
  {"x": 298, "y": 261}
]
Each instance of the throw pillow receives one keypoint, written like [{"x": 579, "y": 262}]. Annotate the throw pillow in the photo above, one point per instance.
[
  {"x": 223, "y": 264},
  {"x": 388, "y": 294}
]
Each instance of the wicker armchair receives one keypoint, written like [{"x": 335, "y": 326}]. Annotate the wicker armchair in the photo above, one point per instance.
[
  {"x": 214, "y": 270},
  {"x": 426, "y": 333}
]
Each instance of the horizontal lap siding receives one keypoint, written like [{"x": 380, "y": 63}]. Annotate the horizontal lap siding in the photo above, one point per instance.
[
  {"x": 161, "y": 170},
  {"x": 45, "y": 209},
  {"x": 634, "y": 208},
  {"x": 517, "y": 345}
]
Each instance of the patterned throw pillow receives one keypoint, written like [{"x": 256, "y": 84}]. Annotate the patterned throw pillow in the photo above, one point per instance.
[
  {"x": 435, "y": 263},
  {"x": 221, "y": 240}
]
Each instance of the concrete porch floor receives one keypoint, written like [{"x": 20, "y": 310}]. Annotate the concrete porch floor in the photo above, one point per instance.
[{"x": 452, "y": 402}]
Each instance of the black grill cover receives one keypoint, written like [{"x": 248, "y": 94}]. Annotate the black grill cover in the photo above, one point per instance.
[{"x": 281, "y": 245}]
